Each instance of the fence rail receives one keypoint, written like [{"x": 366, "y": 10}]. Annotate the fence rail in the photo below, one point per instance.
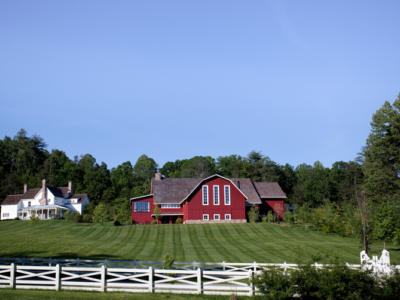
[
  {"x": 122, "y": 279},
  {"x": 135, "y": 264}
]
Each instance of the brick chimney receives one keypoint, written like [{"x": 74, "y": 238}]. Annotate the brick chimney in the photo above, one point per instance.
[
  {"x": 158, "y": 176},
  {"x": 71, "y": 187},
  {"x": 43, "y": 200},
  {"x": 26, "y": 187}
]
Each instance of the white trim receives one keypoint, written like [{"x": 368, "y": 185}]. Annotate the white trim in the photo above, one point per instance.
[
  {"x": 215, "y": 186},
  {"x": 227, "y": 186},
  {"x": 230, "y": 218},
  {"x": 202, "y": 199},
  {"x": 135, "y": 198},
  {"x": 206, "y": 215},
  {"x": 209, "y": 178},
  {"x": 218, "y": 217}
]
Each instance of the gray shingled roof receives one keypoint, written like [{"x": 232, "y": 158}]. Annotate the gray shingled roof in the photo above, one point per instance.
[
  {"x": 14, "y": 199},
  {"x": 269, "y": 190},
  {"x": 173, "y": 190},
  {"x": 246, "y": 186}
]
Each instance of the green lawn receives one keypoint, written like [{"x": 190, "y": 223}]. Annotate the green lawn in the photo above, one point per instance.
[{"x": 258, "y": 242}]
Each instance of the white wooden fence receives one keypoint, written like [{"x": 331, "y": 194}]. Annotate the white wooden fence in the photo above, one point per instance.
[{"x": 130, "y": 280}]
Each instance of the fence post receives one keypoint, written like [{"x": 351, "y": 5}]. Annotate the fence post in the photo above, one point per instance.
[
  {"x": 134, "y": 264},
  {"x": 58, "y": 277},
  {"x": 49, "y": 261},
  {"x": 103, "y": 278},
  {"x": 223, "y": 265},
  {"x": 199, "y": 281},
  {"x": 151, "y": 280},
  {"x": 255, "y": 267},
  {"x": 23, "y": 261},
  {"x": 13, "y": 271},
  {"x": 77, "y": 262},
  {"x": 194, "y": 265},
  {"x": 251, "y": 285}
]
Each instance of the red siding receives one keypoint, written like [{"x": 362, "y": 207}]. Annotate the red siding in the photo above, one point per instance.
[
  {"x": 195, "y": 208},
  {"x": 274, "y": 205},
  {"x": 145, "y": 217}
]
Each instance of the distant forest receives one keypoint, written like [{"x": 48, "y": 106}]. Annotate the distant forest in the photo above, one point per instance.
[{"x": 25, "y": 159}]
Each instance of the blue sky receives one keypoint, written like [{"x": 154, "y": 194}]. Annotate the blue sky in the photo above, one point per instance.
[{"x": 297, "y": 80}]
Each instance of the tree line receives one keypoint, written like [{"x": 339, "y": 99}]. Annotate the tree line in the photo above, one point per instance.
[{"x": 364, "y": 192}]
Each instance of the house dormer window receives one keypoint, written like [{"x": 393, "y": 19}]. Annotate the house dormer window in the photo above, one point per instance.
[
  {"x": 29, "y": 203},
  {"x": 205, "y": 195},
  {"x": 216, "y": 195}
]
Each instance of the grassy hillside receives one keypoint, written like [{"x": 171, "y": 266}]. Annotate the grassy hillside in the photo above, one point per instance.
[{"x": 207, "y": 242}]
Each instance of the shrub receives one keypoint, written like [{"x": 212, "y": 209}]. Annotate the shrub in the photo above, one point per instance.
[
  {"x": 87, "y": 218},
  {"x": 16, "y": 218},
  {"x": 253, "y": 214},
  {"x": 333, "y": 281},
  {"x": 167, "y": 263},
  {"x": 264, "y": 219},
  {"x": 76, "y": 217},
  {"x": 68, "y": 215},
  {"x": 153, "y": 222},
  {"x": 179, "y": 221},
  {"x": 33, "y": 220},
  {"x": 117, "y": 223}
]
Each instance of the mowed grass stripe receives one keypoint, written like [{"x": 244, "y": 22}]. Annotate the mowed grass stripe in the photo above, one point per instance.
[
  {"x": 179, "y": 251},
  {"x": 239, "y": 247},
  {"x": 211, "y": 251},
  {"x": 198, "y": 248},
  {"x": 168, "y": 245},
  {"x": 157, "y": 253},
  {"x": 140, "y": 244},
  {"x": 218, "y": 242},
  {"x": 127, "y": 243},
  {"x": 252, "y": 254},
  {"x": 261, "y": 250},
  {"x": 188, "y": 248}
]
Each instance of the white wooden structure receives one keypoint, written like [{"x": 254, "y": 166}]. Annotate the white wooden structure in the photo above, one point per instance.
[
  {"x": 136, "y": 276},
  {"x": 43, "y": 202}
]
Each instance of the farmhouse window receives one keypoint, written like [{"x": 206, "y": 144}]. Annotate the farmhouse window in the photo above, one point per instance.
[
  {"x": 216, "y": 217},
  {"x": 227, "y": 217},
  {"x": 6, "y": 215},
  {"x": 142, "y": 207},
  {"x": 216, "y": 195},
  {"x": 227, "y": 195},
  {"x": 205, "y": 195},
  {"x": 29, "y": 203},
  {"x": 170, "y": 205},
  {"x": 205, "y": 217}
]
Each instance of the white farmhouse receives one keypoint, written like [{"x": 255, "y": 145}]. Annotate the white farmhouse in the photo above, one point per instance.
[{"x": 43, "y": 202}]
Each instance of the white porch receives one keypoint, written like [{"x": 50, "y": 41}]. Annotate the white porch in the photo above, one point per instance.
[{"x": 43, "y": 212}]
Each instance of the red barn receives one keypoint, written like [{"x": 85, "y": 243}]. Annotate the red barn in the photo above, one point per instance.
[{"x": 215, "y": 199}]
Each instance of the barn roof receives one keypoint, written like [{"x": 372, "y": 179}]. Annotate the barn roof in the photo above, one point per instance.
[
  {"x": 268, "y": 190},
  {"x": 176, "y": 190},
  {"x": 173, "y": 190}
]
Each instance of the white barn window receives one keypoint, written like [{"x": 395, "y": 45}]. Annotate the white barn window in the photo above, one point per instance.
[
  {"x": 227, "y": 195},
  {"x": 205, "y": 195},
  {"x": 227, "y": 217},
  {"x": 216, "y": 195},
  {"x": 205, "y": 217},
  {"x": 216, "y": 217}
]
